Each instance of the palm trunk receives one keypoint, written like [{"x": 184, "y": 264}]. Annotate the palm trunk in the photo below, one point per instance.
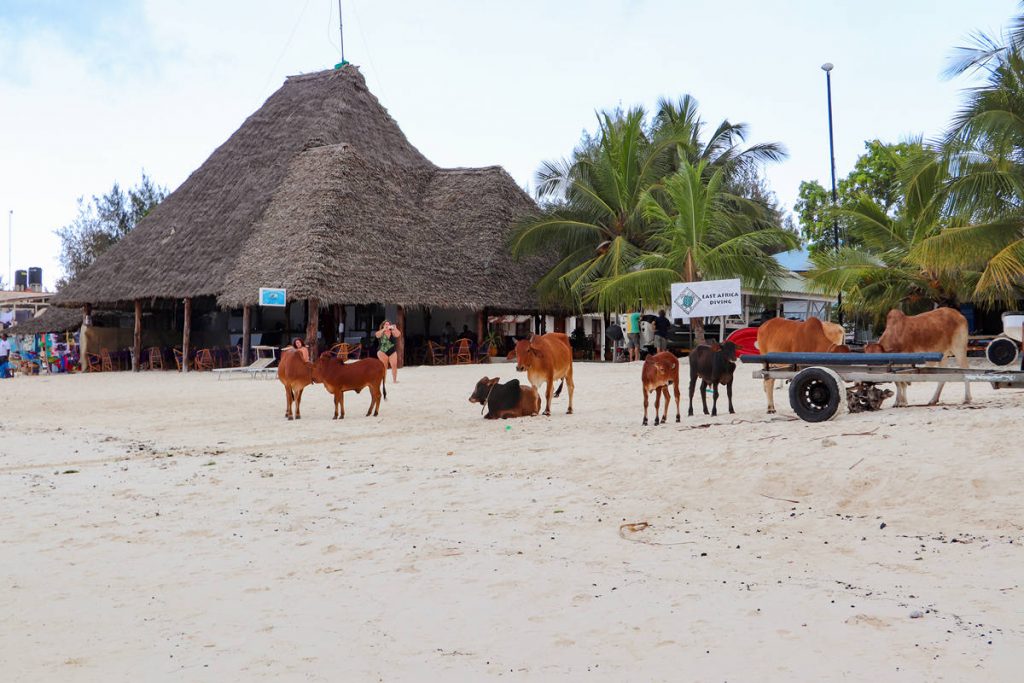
[{"x": 696, "y": 324}]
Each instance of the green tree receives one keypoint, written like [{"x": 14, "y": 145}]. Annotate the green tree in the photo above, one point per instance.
[
  {"x": 879, "y": 268},
  {"x": 874, "y": 174},
  {"x": 700, "y": 231},
  {"x": 102, "y": 222}
]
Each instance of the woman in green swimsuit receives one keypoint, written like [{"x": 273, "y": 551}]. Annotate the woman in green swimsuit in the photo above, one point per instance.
[{"x": 387, "y": 352}]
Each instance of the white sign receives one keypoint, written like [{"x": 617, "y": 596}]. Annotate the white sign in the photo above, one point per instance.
[
  {"x": 707, "y": 299},
  {"x": 270, "y": 296}
]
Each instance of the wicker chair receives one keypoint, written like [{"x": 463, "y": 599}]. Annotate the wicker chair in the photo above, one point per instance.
[
  {"x": 179, "y": 357},
  {"x": 347, "y": 351},
  {"x": 204, "y": 360},
  {"x": 435, "y": 354},
  {"x": 155, "y": 358},
  {"x": 234, "y": 357},
  {"x": 93, "y": 363},
  {"x": 483, "y": 354},
  {"x": 106, "y": 362},
  {"x": 461, "y": 354}
]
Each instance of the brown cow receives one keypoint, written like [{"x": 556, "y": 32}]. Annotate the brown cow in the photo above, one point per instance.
[
  {"x": 337, "y": 376},
  {"x": 546, "y": 358},
  {"x": 943, "y": 330},
  {"x": 505, "y": 400},
  {"x": 660, "y": 370},
  {"x": 295, "y": 374},
  {"x": 780, "y": 335}
]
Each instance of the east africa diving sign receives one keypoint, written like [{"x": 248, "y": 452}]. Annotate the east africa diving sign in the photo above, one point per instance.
[{"x": 707, "y": 299}]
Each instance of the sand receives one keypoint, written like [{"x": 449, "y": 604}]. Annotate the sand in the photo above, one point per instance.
[{"x": 169, "y": 527}]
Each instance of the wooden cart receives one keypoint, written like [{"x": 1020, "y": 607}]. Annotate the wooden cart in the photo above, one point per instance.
[{"x": 818, "y": 381}]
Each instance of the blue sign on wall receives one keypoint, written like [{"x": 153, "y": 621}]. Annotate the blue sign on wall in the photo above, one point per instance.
[{"x": 270, "y": 296}]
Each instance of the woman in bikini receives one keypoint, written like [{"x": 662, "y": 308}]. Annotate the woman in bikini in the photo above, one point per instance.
[{"x": 387, "y": 351}]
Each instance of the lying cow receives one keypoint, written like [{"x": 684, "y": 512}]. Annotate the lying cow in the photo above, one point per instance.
[
  {"x": 713, "y": 365},
  {"x": 659, "y": 371},
  {"x": 338, "y": 377},
  {"x": 505, "y": 400},
  {"x": 546, "y": 358},
  {"x": 943, "y": 330},
  {"x": 780, "y": 335},
  {"x": 295, "y": 374}
]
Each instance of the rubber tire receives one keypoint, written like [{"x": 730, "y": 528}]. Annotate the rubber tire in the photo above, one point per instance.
[
  {"x": 816, "y": 394},
  {"x": 1001, "y": 351}
]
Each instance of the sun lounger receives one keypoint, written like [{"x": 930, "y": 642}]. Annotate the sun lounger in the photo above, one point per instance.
[{"x": 261, "y": 367}]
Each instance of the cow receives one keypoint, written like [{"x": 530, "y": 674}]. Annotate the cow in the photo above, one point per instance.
[
  {"x": 780, "y": 335},
  {"x": 943, "y": 330},
  {"x": 714, "y": 365},
  {"x": 546, "y": 358},
  {"x": 337, "y": 376},
  {"x": 295, "y": 374},
  {"x": 505, "y": 400},
  {"x": 659, "y": 371}
]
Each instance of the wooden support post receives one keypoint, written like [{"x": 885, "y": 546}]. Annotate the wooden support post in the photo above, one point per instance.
[
  {"x": 246, "y": 334},
  {"x": 312, "y": 324},
  {"x": 400, "y": 342},
  {"x": 344, "y": 322},
  {"x": 186, "y": 335},
  {"x": 426, "y": 322},
  {"x": 137, "y": 345},
  {"x": 83, "y": 337},
  {"x": 481, "y": 322}
]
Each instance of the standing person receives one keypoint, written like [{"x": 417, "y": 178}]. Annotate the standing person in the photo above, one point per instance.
[
  {"x": 633, "y": 335},
  {"x": 387, "y": 350},
  {"x": 5, "y": 354},
  {"x": 448, "y": 336},
  {"x": 301, "y": 347},
  {"x": 661, "y": 326}
]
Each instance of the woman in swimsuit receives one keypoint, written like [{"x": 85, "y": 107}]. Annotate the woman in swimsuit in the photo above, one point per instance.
[
  {"x": 387, "y": 351},
  {"x": 301, "y": 347}
]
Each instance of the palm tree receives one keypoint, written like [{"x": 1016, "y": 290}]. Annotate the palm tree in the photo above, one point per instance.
[
  {"x": 593, "y": 221},
  {"x": 699, "y": 231},
  {"x": 881, "y": 267},
  {"x": 722, "y": 151},
  {"x": 985, "y": 147}
]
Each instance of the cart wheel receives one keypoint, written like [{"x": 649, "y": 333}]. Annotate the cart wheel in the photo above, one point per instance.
[
  {"x": 1001, "y": 351},
  {"x": 815, "y": 394}
]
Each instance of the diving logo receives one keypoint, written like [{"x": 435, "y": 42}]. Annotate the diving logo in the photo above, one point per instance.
[{"x": 687, "y": 300}]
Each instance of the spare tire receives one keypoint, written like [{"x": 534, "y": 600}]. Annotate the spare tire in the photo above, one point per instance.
[
  {"x": 1001, "y": 351},
  {"x": 815, "y": 394}
]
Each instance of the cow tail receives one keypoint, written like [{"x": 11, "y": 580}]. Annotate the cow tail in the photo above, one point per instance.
[
  {"x": 384, "y": 384},
  {"x": 559, "y": 389}
]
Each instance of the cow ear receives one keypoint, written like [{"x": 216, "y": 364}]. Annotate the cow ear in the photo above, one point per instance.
[
  {"x": 715, "y": 346},
  {"x": 511, "y": 355},
  {"x": 494, "y": 381}
]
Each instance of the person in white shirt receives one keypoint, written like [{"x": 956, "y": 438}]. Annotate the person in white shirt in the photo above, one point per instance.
[{"x": 5, "y": 353}]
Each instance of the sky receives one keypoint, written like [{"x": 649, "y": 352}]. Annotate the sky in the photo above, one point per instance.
[{"x": 96, "y": 92}]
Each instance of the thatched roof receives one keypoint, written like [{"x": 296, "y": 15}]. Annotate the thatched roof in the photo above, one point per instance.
[
  {"x": 320, "y": 192},
  {"x": 52, "y": 319}
]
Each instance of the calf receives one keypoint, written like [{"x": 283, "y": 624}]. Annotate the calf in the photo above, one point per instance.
[
  {"x": 713, "y": 365},
  {"x": 546, "y": 358},
  {"x": 295, "y": 374},
  {"x": 505, "y": 400},
  {"x": 659, "y": 371},
  {"x": 943, "y": 330},
  {"x": 338, "y": 377}
]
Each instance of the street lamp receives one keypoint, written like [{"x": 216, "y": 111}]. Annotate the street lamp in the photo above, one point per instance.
[{"x": 827, "y": 68}]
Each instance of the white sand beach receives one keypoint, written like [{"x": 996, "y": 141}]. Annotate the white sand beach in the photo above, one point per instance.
[{"x": 168, "y": 527}]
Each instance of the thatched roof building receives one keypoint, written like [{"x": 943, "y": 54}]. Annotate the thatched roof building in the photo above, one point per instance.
[
  {"x": 52, "y": 319},
  {"x": 320, "y": 192}
]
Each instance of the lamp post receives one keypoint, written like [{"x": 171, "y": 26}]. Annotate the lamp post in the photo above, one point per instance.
[{"x": 827, "y": 68}]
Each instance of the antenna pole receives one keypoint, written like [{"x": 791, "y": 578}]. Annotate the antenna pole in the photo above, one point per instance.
[{"x": 341, "y": 31}]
